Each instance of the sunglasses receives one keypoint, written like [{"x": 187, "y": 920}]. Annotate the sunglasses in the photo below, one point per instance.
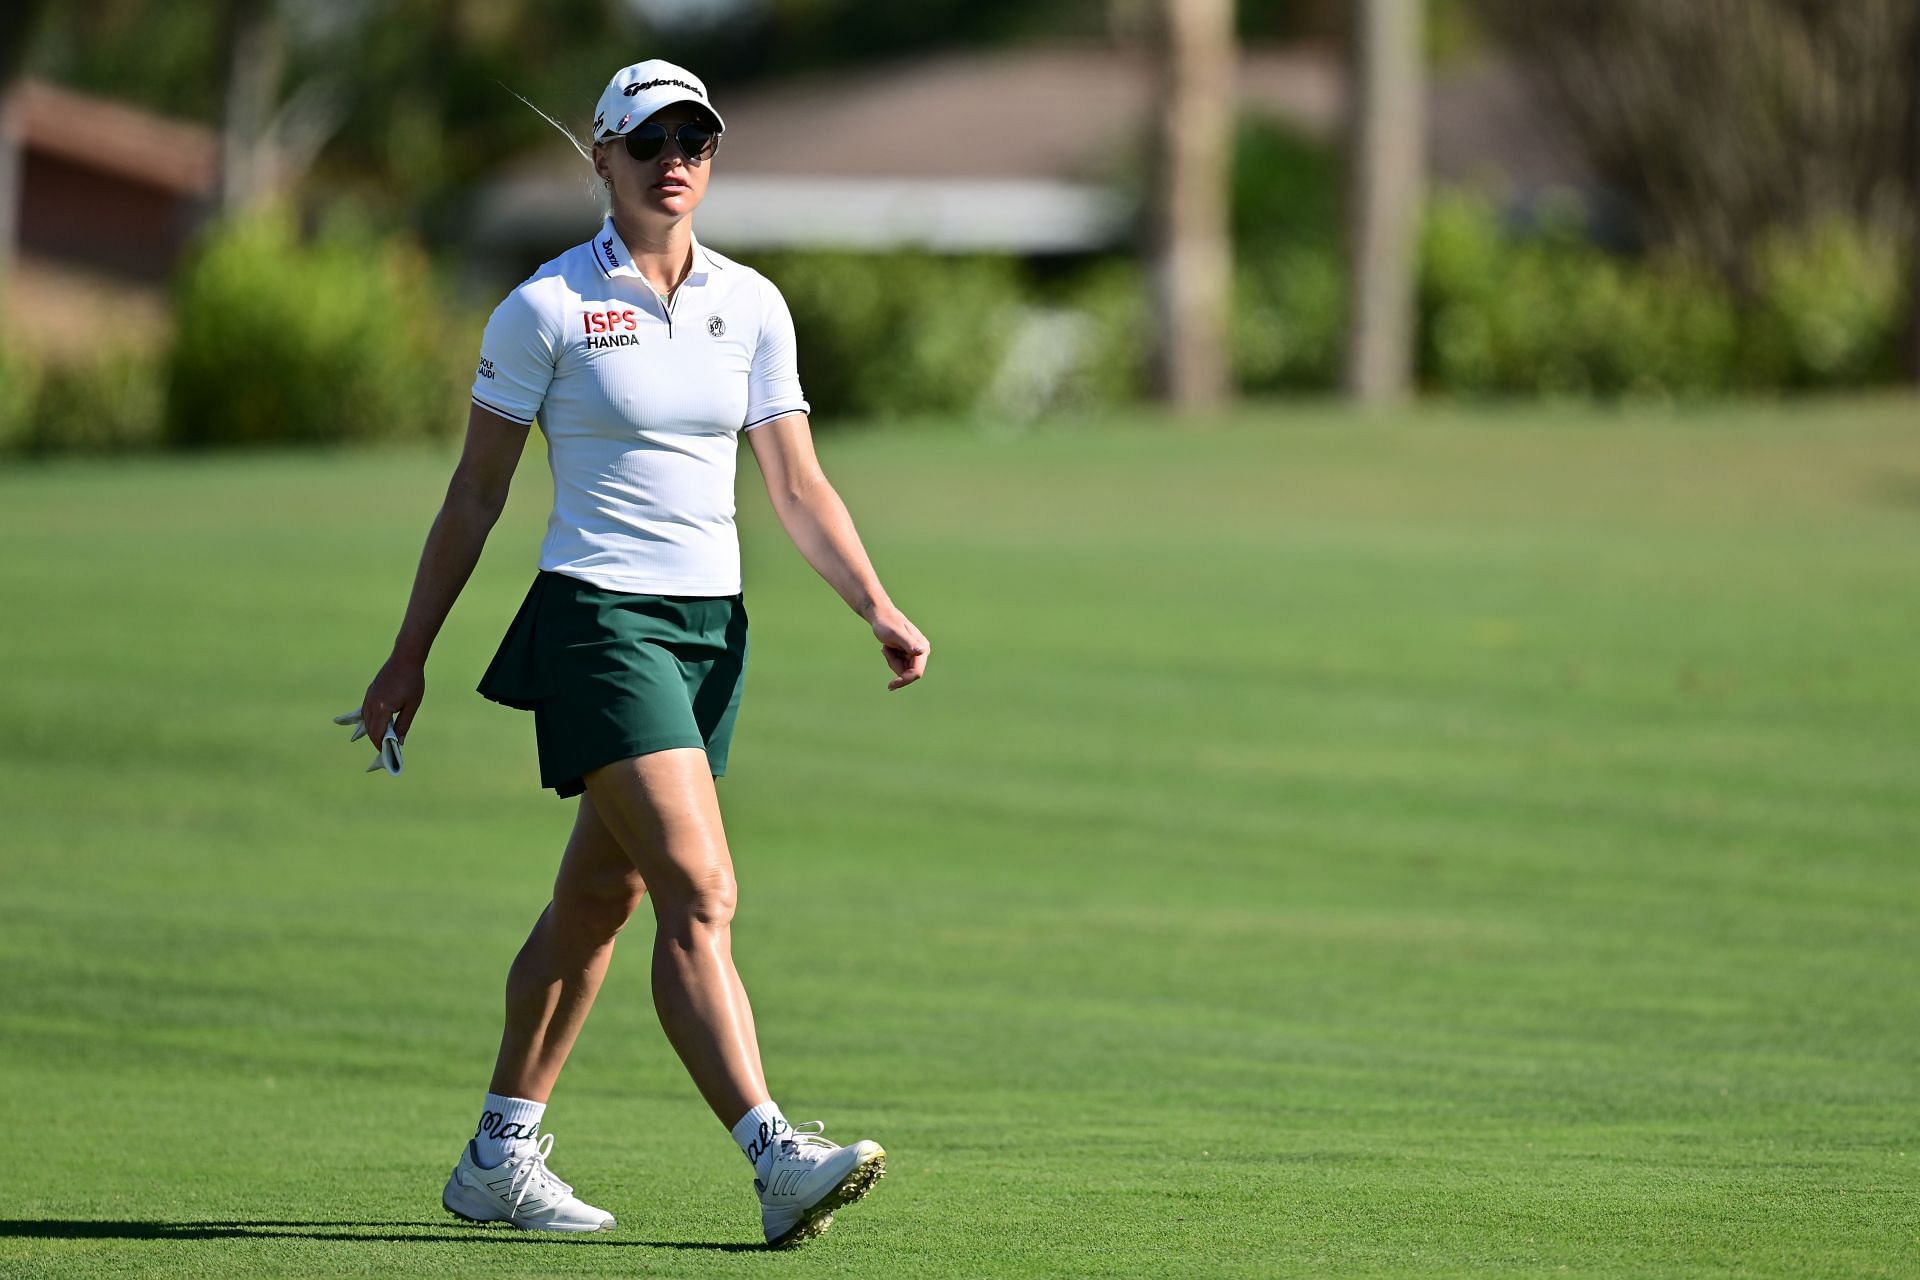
[{"x": 696, "y": 141}]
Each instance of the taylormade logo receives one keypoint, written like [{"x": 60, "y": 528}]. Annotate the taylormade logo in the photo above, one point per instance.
[{"x": 643, "y": 85}]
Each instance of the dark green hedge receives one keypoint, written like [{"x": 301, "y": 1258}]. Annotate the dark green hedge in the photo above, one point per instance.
[
  {"x": 348, "y": 336},
  {"x": 345, "y": 337}
]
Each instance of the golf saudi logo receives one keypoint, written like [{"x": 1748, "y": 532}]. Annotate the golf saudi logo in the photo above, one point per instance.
[{"x": 716, "y": 326}]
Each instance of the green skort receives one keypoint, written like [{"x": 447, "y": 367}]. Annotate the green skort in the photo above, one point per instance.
[{"x": 611, "y": 674}]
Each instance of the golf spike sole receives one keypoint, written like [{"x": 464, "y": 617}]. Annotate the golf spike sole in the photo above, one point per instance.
[{"x": 819, "y": 1216}]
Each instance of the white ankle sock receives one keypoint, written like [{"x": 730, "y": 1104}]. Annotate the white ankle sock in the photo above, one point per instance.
[
  {"x": 757, "y": 1132},
  {"x": 503, "y": 1122}
]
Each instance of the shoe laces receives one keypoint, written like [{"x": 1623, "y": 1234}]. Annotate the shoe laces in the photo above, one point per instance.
[
  {"x": 530, "y": 1172},
  {"x": 808, "y": 1143}
]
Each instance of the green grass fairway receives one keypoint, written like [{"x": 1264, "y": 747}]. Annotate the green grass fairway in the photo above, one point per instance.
[{"x": 1476, "y": 843}]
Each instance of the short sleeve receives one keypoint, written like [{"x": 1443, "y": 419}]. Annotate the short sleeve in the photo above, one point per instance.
[
  {"x": 773, "y": 388},
  {"x": 516, "y": 359}
]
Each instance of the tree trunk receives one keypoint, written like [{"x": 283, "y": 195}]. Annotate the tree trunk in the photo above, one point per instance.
[
  {"x": 256, "y": 55},
  {"x": 1386, "y": 161},
  {"x": 1913, "y": 207},
  {"x": 18, "y": 21},
  {"x": 9, "y": 185},
  {"x": 1192, "y": 253}
]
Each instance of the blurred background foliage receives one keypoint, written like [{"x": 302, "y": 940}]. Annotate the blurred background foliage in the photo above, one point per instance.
[
  {"x": 357, "y": 340},
  {"x": 1761, "y": 249},
  {"x": 1720, "y": 121}
]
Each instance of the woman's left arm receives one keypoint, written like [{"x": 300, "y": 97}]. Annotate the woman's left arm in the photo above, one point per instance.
[{"x": 817, "y": 521}]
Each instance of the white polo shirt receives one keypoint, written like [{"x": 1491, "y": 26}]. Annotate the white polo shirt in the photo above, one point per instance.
[{"x": 641, "y": 401}]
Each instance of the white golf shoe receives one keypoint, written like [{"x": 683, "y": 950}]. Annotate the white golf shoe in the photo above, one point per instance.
[
  {"x": 810, "y": 1178},
  {"x": 521, "y": 1190}
]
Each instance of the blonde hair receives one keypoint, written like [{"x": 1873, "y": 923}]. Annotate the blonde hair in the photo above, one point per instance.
[{"x": 597, "y": 186}]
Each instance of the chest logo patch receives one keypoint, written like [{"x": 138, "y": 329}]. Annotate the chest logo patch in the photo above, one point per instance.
[
  {"x": 716, "y": 326},
  {"x": 611, "y": 328}
]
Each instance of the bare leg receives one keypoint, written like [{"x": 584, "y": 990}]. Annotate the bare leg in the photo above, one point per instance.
[
  {"x": 551, "y": 987},
  {"x": 662, "y": 809}
]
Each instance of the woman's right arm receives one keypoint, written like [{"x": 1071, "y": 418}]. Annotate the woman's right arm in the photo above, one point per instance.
[{"x": 475, "y": 497}]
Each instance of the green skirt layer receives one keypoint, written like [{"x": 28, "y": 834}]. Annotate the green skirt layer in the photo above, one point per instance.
[{"x": 611, "y": 674}]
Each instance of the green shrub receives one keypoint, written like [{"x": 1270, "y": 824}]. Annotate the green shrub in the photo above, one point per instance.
[
  {"x": 896, "y": 333},
  {"x": 1289, "y": 284},
  {"x": 19, "y": 386},
  {"x": 1289, "y": 317},
  {"x": 1555, "y": 314},
  {"x": 1287, "y": 189},
  {"x": 1112, "y": 296},
  {"x": 97, "y": 406},
  {"x": 341, "y": 339},
  {"x": 899, "y": 334},
  {"x": 89, "y": 405},
  {"x": 1093, "y": 335},
  {"x": 1828, "y": 307}
]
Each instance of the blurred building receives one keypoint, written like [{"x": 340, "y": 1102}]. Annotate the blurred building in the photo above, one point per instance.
[
  {"x": 107, "y": 198},
  {"x": 1030, "y": 151}
]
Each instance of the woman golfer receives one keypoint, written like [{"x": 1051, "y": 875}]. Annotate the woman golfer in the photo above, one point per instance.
[{"x": 644, "y": 355}]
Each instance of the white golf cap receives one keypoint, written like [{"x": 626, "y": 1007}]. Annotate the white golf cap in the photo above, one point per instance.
[{"x": 638, "y": 91}]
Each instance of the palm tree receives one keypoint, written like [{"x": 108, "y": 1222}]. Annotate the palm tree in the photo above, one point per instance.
[
  {"x": 18, "y": 22},
  {"x": 1385, "y": 159},
  {"x": 1192, "y": 249}
]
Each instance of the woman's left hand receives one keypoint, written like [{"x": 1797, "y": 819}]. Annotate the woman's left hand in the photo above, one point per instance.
[{"x": 905, "y": 648}]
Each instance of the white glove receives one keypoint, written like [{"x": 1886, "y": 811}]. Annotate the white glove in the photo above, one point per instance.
[{"x": 388, "y": 757}]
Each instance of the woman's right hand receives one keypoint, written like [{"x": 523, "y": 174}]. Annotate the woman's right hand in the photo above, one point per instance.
[
  {"x": 399, "y": 688},
  {"x": 473, "y": 503}
]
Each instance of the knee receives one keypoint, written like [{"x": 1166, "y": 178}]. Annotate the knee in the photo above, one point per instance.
[
  {"x": 705, "y": 906},
  {"x": 598, "y": 910}
]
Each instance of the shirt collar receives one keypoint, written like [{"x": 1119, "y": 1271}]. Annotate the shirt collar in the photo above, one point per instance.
[{"x": 611, "y": 256}]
